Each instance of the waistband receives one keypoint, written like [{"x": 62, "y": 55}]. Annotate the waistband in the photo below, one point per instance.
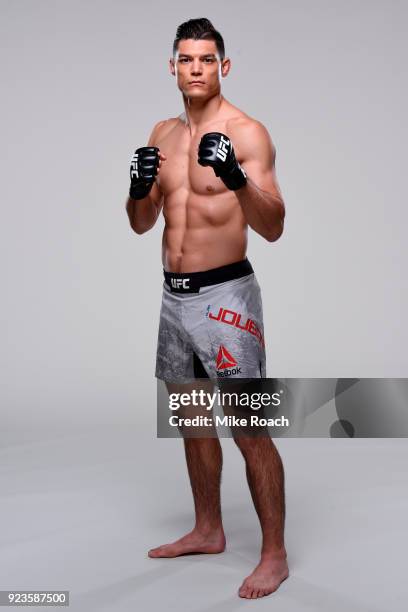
[{"x": 190, "y": 282}]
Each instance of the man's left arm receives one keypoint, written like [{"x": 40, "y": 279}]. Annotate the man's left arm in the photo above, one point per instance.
[{"x": 260, "y": 198}]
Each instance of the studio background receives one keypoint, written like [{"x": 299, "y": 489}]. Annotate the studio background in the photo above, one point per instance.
[{"x": 82, "y": 86}]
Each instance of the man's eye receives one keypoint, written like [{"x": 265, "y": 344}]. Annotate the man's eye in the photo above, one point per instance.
[
  {"x": 209, "y": 60},
  {"x": 184, "y": 60}
]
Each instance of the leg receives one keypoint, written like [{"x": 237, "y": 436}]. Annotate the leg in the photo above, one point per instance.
[
  {"x": 265, "y": 476},
  {"x": 204, "y": 463}
]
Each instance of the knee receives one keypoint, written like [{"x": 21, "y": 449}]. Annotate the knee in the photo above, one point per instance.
[
  {"x": 250, "y": 445},
  {"x": 245, "y": 444}
]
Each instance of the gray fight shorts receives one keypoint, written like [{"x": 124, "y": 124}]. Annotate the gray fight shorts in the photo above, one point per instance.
[{"x": 211, "y": 325}]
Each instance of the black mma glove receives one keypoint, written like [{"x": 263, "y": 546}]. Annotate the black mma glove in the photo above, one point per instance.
[
  {"x": 215, "y": 149},
  {"x": 143, "y": 170}
]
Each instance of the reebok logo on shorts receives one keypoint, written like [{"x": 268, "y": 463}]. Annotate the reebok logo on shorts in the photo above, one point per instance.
[
  {"x": 225, "y": 359},
  {"x": 224, "y": 362}
]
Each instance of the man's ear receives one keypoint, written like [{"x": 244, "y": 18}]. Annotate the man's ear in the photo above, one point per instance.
[
  {"x": 225, "y": 66},
  {"x": 172, "y": 67}
]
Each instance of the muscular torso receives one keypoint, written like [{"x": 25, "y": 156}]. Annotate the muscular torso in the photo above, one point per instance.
[{"x": 204, "y": 224}]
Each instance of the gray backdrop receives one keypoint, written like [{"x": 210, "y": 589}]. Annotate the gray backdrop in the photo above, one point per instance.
[{"x": 82, "y": 85}]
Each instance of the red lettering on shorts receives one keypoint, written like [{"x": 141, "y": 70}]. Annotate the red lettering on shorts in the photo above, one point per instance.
[
  {"x": 226, "y": 313},
  {"x": 244, "y": 327},
  {"x": 252, "y": 327},
  {"x": 230, "y": 317},
  {"x": 217, "y": 318}
]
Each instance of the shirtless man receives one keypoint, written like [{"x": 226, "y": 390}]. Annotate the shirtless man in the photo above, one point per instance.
[{"x": 211, "y": 170}]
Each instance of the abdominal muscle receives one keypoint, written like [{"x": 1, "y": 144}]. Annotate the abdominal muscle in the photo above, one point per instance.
[{"x": 202, "y": 232}]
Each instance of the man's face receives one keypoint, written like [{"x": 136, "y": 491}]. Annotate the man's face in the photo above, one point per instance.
[{"x": 198, "y": 68}]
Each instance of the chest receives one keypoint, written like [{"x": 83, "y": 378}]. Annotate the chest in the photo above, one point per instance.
[{"x": 181, "y": 169}]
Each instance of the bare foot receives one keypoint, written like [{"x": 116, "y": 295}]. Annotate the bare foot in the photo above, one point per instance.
[
  {"x": 265, "y": 578},
  {"x": 193, "y": 542}
]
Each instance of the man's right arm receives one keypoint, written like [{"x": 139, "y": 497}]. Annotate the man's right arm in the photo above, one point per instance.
[{"x": 144, "y": 211}]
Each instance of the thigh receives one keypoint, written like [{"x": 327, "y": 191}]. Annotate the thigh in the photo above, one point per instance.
[
  {"x": 174, "y": 356},
  {"x": 199, "y": 408},
  {"x": 229, "y": 337}
]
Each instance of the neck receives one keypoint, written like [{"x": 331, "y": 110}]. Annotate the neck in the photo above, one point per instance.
[{"x": 199, "y": 112}]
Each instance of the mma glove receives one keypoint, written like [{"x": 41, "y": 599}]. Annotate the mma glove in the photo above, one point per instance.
[
  {"x": 215, "y": 150},
  {"x": 143, "y": 171}
]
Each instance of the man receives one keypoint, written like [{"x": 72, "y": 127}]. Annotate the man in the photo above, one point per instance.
[{"x": 211, "y": 170}]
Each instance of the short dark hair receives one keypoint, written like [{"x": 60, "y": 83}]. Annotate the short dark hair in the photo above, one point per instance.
[{"x": 199, "y": 29}]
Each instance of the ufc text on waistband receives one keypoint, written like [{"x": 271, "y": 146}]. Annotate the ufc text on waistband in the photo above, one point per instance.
[{"x": 185, "y": 282}]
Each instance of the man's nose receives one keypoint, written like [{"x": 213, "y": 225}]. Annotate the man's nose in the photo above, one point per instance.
[{"x": 196, "y": 67}]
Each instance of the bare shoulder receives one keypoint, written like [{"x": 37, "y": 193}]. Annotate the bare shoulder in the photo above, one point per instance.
[
  {"x": 162, "y": 129},
  {"x": 251, "y": 139},
  {"x": 243, "y": 127}
]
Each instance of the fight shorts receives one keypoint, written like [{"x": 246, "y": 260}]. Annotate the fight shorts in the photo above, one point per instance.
[{"x": 211, "y": 325}]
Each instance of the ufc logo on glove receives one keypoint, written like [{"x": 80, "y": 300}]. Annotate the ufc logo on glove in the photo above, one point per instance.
[
  {"x": 222, "y": 151},
  {"x": 134, "y": 173}
]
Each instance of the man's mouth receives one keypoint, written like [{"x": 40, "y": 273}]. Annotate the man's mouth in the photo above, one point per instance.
[{"x": 196, "y": 83}]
